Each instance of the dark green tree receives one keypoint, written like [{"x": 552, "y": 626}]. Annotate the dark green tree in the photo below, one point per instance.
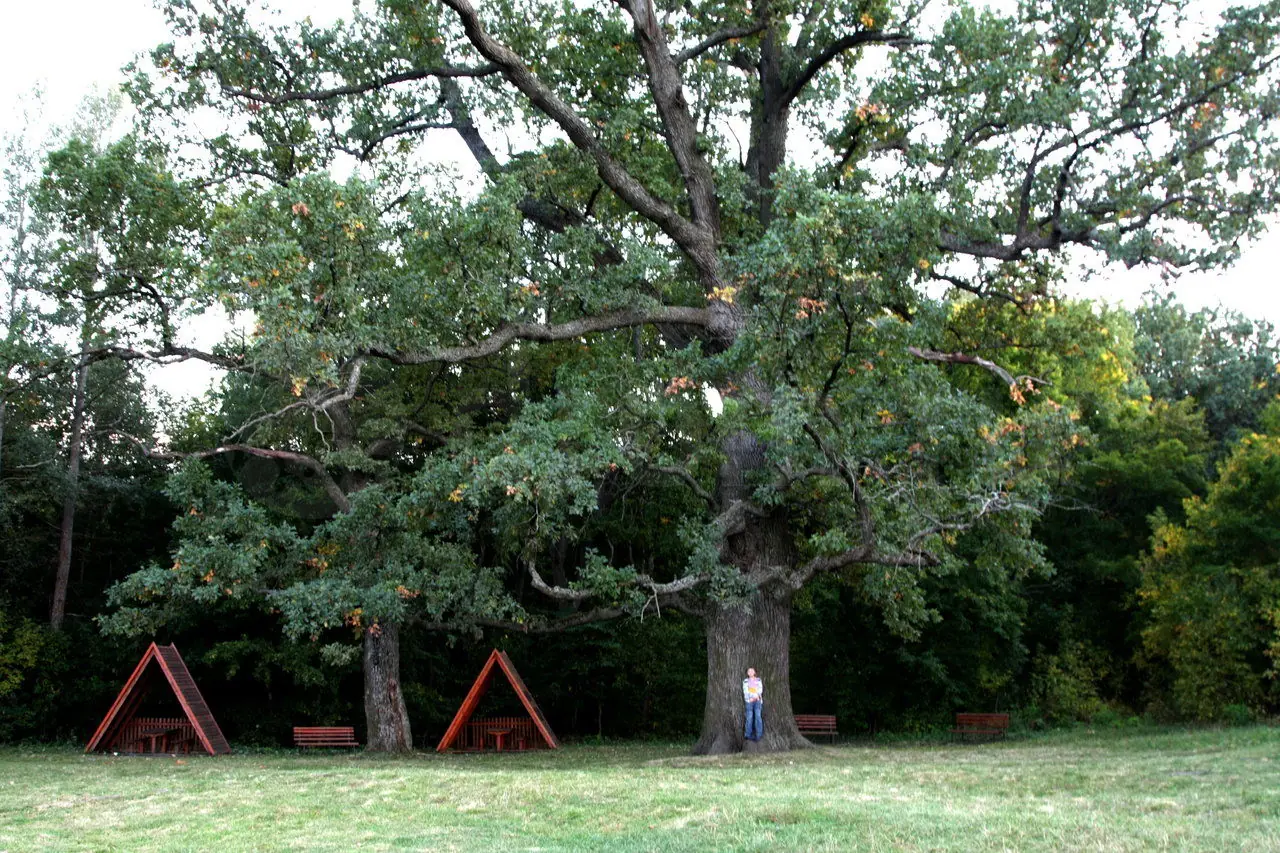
[
  {"x": 120, "y": 232},
  {"x": 1224, "y": 362},
  {"x": 1212, "y": 592}
]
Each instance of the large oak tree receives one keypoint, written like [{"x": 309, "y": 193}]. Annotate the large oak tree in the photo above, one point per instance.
[{"x": 730, "y": 223}]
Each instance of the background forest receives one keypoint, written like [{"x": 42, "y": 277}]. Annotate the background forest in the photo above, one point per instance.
[{"x": 643, "y": 403}]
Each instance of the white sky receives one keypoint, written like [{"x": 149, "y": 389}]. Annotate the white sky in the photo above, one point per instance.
[{"x": 69, "y": 47}]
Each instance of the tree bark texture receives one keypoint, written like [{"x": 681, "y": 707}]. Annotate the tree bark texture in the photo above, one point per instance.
[
  {"x": 757, "y": 635},
  {"x": 58, "y": 610},
  {"x": 384, "y": 708}
]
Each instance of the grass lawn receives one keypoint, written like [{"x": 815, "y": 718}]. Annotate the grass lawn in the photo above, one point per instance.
[{"x": 1212, "y": 790}]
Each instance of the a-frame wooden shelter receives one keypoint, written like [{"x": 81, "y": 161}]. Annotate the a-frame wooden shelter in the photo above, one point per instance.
[
  {"x": 503, "y": 732},
  {"x": 122, "y": 730}
]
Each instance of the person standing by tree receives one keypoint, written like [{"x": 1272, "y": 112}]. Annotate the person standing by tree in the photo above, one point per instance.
[{"x": 753, "y": 696}]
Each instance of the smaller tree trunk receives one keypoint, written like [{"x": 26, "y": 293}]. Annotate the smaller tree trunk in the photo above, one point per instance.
[
  {"x": 4, "y": 405},
  {"x": 58, "y": 610},
  {"x": 384, "y": 710}
]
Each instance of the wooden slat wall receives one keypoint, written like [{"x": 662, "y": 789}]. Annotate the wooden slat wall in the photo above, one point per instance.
[
  {"x": 530, "y": 704},
  {"x": 189, "y": 695},
  {"x": 129, "y": 737},
  {"x": 462, "y": 733},
  {"x": 120, "y": 731},
  {"x": 474, "y": 735}
]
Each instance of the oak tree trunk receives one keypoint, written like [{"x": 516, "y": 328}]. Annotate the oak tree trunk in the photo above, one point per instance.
[
  {"x": 384, "y": 709},
  {"x": 757, "y": 636},
  {"x": 756, "y": 633}
]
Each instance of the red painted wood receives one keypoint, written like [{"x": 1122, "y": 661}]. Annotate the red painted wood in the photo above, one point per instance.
[
  {"x": 981, "y": 724},
  {"x": 324, "y": 736},
  {"x": 121, "y": 729},
  {"x": 126, "y": 693},
  {"x": 460, "y": 720},
  {"x": 469, "y": 704},
  {"x": 527, "y": 700}
]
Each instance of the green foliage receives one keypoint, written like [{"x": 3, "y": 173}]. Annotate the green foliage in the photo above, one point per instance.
[
  {"x": 1222, "y": 360},
  {"x": 1211, "y": 590},
  {"x": 1066, "y": 686},
  {"x": 20, "y": 652},
  {"x": 376, "y": 564}
]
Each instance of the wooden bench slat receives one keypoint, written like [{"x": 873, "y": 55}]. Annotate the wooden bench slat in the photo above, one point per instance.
[
  {"x": 324, "y": 736},
  {"x": 981, "y": 724},
  {"x": 821, "y": 724}
]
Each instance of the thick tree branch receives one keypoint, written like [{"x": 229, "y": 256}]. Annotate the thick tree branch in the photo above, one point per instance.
[
  {"x": 695, "y": 240},
  {"x": 862, "y": 555},
  {"x": 717, "y": 39},
  {"x": 982, "y": 291},
  {"x": 539, "y": 211},
  {"x": 331, "y": 487},
  {"x": 1014, "y": 250},
  {"x": 678, "y": 125},
  {"x": 542, "y": 332},
  {"x": 734, "y": 519},
  {"x": 314, "y": 95},
  {"x": 165, "y": 354},
  {"x": 559, "y": 593},
  {"x": 317, "y": 403},
  {"x": 655, "y": 589},
  {"x": 839, "y": 47},
  {"x": 541, "y": 626}
]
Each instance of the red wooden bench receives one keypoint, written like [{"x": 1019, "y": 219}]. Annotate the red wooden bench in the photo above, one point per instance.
[
  {"x": 309, "y": 736},
  {"x": 817, "y": 724},
  {"x": 981, "y": 725}
]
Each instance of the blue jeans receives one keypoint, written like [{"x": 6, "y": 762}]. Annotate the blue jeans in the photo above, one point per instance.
[{"x": 755, "y": 726}]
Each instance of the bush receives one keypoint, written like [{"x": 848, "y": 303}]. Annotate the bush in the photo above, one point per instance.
[
  {"x": 1064, "y": 686},
  {"x": 1238, "y": 715}
]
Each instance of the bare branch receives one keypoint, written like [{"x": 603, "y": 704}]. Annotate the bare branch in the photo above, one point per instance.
[
  {"x": 559, "y": 593},
  {"x": 672, "y": 587},
  {"x": 961, "y": 358},
  {"x": 839, "y": 47},
  {"x": 690, "y": 481},
  {"x": 656, "y": 590}
]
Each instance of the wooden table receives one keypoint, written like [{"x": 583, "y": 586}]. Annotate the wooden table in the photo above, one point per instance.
[
  {"x": 158, "y": 736},
  {"x": 499, "y": 735}
]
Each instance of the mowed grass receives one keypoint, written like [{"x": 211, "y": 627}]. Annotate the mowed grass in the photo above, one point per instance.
[{"x": 1213, "y": 790}]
